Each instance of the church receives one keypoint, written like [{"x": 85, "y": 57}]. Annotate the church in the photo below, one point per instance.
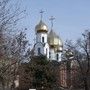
[{"x": 47, "y": 43}]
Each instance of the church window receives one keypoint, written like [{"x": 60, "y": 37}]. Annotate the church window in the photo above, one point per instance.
[
  {"x": 57, "y": 56},
  {"x": 39, "y": 51},
  {"x": 49, "y": 55},
  {"x": 46, "y": 51},
  {"x": 43, "y": 39}
]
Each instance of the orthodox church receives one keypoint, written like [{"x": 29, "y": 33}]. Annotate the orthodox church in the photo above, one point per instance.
[{"x": 47, "y": 43}]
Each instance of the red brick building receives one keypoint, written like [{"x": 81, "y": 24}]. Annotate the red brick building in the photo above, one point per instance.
[{"x": 67, "y": 73}]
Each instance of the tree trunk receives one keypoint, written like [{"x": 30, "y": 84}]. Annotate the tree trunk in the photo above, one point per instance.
[
  {"x": 3, "y": 87},
  {"x": 86, "y": 84}
]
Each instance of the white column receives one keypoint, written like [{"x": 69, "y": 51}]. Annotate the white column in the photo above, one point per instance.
[
  {"x": 52, "y": 54},
  {"x": 59, "y": 56}
]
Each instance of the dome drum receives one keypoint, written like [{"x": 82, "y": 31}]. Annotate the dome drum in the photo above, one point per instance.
[
  {"x": 59, "y": 49},
  {"x": 41, "y": 30},
  {"x": 52, "y": 46}
]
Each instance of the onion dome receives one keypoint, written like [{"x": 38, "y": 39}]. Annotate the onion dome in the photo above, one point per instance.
[
  {"x": 55, "y": 41},
  {"x": 41, "y": 27},
  {"x": 59, "y": 48}
]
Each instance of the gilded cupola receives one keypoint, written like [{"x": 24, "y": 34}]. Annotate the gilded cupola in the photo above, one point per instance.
[
  {"x": 54, "y": 40},
  {"x": 41, "y": 27}
]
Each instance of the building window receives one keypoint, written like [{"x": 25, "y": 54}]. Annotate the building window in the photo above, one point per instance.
[
  {"x": 57, "y": 56},
  {"x": 46, "y": 51},
  {"x": 49, "y": 55},
  {"x": 43, "y": 39},
  {"x": 39, "y": 51}
]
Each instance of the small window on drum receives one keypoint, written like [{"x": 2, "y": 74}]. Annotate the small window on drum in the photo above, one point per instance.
[
  {"x": 57, "y": 56},
  {"x": 43, "y": 39}
]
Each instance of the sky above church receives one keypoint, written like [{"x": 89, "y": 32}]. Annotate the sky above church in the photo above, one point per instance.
[{"x": 72, "y": 17}]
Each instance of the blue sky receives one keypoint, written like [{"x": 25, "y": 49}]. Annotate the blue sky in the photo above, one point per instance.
[{"x": 72, "y": 17}]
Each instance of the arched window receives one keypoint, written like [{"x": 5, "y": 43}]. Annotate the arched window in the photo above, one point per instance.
[
  {"x": 43, "y": 39},
  {"x": 46, "y": 51},
  {"x": 49, "y": 54},
  {"x": 39, "y": 51},
  {"x": 57, "y": 56}
]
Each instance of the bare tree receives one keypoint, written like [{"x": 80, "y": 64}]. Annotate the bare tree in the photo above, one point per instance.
[
  {"x": 9, "y": 17},
  {"x": 81, "y": 52},
  {"x": 14, "y": 54}
]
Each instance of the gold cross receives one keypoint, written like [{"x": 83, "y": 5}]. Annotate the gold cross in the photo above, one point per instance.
[
  {"x": 41, "y": 12},
  {"x": 51, "y": 19}
]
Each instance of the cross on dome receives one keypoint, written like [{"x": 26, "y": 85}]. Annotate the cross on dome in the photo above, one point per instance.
[
  {"x": 51, "y": 19},
  {"x": 41, "y": 26},
  {"x": 41, "y": 12}
]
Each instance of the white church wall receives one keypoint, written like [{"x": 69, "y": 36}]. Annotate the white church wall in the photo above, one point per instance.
[
  {"x": 39, "y": 37},
  {"x": 46, "y": 50},
  {"x": 59, "y": 56},
  {"x": 38, "y": 45},
  {"x": 52, "y": 54}
]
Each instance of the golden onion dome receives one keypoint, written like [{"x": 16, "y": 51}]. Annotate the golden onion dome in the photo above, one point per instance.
[
  {"x": 54, "y": 40},
  {"x": 60, "y": 42},
  {"x": 59, "y": 49},
  {"x": 41, "y": 27}
]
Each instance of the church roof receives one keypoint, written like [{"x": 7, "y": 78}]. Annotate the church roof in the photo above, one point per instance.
[
  {"x": 54, "y": 39},
  {"x": 41, "y": 27}
]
